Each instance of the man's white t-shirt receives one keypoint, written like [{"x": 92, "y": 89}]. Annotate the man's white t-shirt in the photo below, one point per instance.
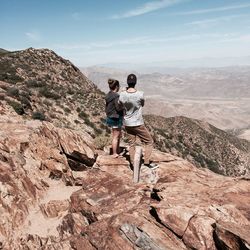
[{"x": 133, "y": 103}]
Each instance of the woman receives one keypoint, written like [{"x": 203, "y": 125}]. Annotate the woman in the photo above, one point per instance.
[{"x": 114, "y": 112}]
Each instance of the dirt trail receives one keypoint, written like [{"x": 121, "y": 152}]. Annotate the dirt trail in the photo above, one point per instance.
[{"x": 37, "y": 222}]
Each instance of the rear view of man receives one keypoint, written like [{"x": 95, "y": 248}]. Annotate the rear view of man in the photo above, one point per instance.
[{"x": 133, "y": 101}]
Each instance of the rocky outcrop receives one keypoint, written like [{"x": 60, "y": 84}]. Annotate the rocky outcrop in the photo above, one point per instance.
[
  {"x": 47, "y": 204},
  {"x": 34, "y": 157}
]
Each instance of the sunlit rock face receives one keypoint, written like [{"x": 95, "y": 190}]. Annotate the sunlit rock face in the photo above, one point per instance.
[{"x": 48, "y": 204}]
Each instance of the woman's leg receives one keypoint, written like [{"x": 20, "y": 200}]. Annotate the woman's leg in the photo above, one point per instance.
[{"x": 116, "y": 140}]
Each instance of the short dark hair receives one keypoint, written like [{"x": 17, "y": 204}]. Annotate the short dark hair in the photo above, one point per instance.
[
  {"x": 113, "y": 84},
  {"x": 131, "y": 80}
]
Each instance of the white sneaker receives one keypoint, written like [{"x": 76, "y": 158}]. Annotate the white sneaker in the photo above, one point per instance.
[{"x": 151, "y": 165}]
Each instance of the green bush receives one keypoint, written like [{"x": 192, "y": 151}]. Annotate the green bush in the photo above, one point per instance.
[
  {"x": 200, "y": 159},
  {"x": 16, "y": 106},
  {"x": 14, "y": 92},
  {"x": 46, "y": 92},
  {"x": 97, "y": 131},
  {"x": 47, "y": 102},
  {"x": 101, "y": 141},
  {"x": 103, "y": 126},
  {"x": 67, "y": 110},
  {"x": 25, "y": 102},
  {"x": 27, "y": 93},
  {"x": 12, "y": 78},
  {"x": 70, "y": 91},
  {"x": 178, "y": 146},
  {"x": 180, "y": 138},
  {"x": 38, "y": 116},
  {"x": 83, "y": 115},
  {"x": 88, "y": 122},
  {"x": 95, "y": 113},
  {"x": 34, "y": 83},
  {"x": 213, "y": 166}
]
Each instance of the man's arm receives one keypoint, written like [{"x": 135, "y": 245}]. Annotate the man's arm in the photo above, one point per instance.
[{"x": 142, "y": 100}]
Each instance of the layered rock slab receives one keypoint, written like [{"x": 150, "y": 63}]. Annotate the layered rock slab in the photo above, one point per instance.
[
  {"x": 176, "y": 206},
  {"x": 32, "y": 154}
]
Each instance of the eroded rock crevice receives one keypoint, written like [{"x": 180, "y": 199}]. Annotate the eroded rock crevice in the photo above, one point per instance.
[
  {"x": 138, "y": 237},
  {"x": 154, "y": 195}
]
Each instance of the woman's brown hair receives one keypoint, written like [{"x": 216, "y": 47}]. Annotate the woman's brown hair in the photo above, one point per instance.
[{"x": 113, "y": 84}]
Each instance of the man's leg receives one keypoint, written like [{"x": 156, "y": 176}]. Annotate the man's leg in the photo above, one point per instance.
[
  {"x": 132, "y": 139},
  {"x": 146, "y": 138}
]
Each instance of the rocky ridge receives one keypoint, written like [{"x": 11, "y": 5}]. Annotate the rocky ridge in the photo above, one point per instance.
[
  {"x": 58, "y": 192},
  {"x": 38, "y": 83}
]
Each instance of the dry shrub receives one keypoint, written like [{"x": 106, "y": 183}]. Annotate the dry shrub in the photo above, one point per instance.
[{"x": 101, "y": 141}]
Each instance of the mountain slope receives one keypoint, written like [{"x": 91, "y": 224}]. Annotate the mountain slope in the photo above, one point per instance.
[
  {"x": 40, "y": 84},
  {"x": 3, "y": 51},
  {"x": 201, "y": 143}
]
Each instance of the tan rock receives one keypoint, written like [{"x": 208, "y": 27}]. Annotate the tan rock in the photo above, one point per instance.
[
  {"x": 199, "y": 233},
  {"x": 231, "y": 236},
  {"x": 176, "y": 206},
  {"x": 53, "y": 208}
]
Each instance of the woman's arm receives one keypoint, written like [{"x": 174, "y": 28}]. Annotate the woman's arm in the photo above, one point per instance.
[{"x": 118, "y": 104}]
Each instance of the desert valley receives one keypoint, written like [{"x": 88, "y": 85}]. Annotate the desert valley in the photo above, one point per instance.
[{"x": 220, "y": 96}]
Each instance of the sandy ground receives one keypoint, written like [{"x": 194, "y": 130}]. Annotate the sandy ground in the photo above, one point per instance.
[{"x": 36, "y": 222}]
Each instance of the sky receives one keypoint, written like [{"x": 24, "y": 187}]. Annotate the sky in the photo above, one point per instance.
[{"x": 155, "y": 32}]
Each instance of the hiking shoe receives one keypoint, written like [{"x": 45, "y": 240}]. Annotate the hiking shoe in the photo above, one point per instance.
[{"x": 151, "y": 165}]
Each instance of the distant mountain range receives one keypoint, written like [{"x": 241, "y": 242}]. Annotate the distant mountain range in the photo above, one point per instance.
[
  {"x": 175, "y": 66},
  {"x": 220, "y": 96}
]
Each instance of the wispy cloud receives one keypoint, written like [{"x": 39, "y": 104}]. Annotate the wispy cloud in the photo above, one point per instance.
[
  {"x": 33, "y": 35},
  {"x": 102, "y": 44},
  {"x": 143, "y": 41},
  {"x": 148, "y": 7},
  {"x": 213, "y": 21},
  {"x": 240, "y": 38},
  {"x": 218, "y": 9}
]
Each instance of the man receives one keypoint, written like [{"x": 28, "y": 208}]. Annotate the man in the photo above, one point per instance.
[{"x": 133, "y": 101}]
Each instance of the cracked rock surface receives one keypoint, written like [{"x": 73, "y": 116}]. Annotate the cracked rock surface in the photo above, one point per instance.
[{"x": 47, "y": 204}]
